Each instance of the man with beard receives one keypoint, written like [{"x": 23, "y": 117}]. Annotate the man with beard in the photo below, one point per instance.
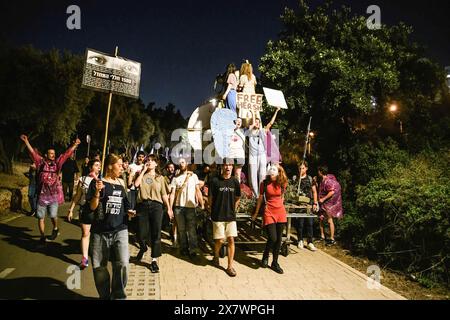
[{"x": 224, "y": 194}]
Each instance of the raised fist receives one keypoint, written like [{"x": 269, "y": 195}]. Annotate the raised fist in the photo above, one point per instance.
[
  {"x": 77, "y": 142},
  {"x": 24, "y": 138}
]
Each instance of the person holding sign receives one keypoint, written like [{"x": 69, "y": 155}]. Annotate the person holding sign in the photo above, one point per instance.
[
  {"x": 107, "y": 197},
  {"x": 247, "y": 83},
  {"x": 257, "y": 151},
  {"x": 229, "y": 96}
]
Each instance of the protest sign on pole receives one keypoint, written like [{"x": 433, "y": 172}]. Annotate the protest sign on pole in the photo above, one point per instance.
[{"x": 112, "y": 74}]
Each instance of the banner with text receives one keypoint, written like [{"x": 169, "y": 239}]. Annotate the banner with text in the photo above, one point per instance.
[
  {"x": 249, "y": 101},
  {"x": 107, "y": 73}
]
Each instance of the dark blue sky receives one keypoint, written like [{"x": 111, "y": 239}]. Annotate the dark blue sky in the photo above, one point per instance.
[{"x": 182, "y": 45}]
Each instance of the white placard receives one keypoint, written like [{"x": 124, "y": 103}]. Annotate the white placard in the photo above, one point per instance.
[{"x": 275, "y": 98}]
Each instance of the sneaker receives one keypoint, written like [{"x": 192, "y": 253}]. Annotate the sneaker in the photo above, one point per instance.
[
  {"x": 276, "y": 267},
  {"x": 141, "y": 253},
  {"x": 84, "y": 263},
  {"x": 265, "y": 262},
  {"x": 216, "y": 262},
  {"x": 154, "y": 267},
  {"x": 300, "y": 244},
  {"x": 311, "y": 247},
  {"x": 231, "y": 272},
  {"x": 331, "y": 242},
  {"x": 54, "y": 234}
]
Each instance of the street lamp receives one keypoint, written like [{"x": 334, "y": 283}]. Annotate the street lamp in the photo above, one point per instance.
[
  {"x": 311, "y": 136},
  {"x": 393, "y": 108}
]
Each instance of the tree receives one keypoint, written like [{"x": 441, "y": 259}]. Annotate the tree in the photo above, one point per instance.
[
  {"x": 328, "y": 59},
  {"x": 41, "y": 96}
]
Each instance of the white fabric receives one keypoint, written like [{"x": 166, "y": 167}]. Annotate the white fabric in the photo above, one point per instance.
[{"x": 187, "y": 195}]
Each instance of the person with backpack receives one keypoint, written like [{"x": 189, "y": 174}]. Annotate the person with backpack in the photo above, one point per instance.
[
  {"x": 86, "y": 215},
  {"x": 307, "y": 193},
  {"x": 49, "y": 189},
  {"x": 274, "y": 218}
]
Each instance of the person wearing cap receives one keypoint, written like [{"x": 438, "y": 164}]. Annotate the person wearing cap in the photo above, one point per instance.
[{"x": 274, "y": 218}]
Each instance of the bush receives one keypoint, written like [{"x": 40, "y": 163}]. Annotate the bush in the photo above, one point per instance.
[{"x": 402, "y": 217}]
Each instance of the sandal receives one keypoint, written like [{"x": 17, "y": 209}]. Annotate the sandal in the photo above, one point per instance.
[{"x": 231, "y": 272}]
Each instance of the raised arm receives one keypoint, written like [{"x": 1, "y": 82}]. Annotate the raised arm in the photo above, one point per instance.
[
  {"x": 34, "y": 156},
  {"x": 138, "y": 181},
  {"x": 62, "y": 158},
  {"x": 272, "y": 121}
]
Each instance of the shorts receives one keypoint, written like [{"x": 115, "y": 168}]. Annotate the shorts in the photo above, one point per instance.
[
  {"x": 52, "y": 210},
  {"x": 222, "y": 230},
  {"x": 87, "y": 216}
]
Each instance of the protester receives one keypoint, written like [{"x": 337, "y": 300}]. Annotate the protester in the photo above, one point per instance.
[
  {"x": 86, "y": 215},
  {"x": 330, "y": 202},
  {"x": 247, "y": 83},
  {"x": 135, "y": 170},
  {"x": 275, "y": 218},
  {"x": 32, "y": 196},
  {"x": 306, "y": 188},
  {"x": 69, "y": 172},
  {"x": 49, "y": 191},
  {"x": 224, "y": 194},
  {"x": 237, "y": 148},
  {"x": 153, "y": 192},
  {"x": 171, "y": 224},
  {"x": 85, "y": 167},
  {"x": 185, "y": 195},
  {"x": 232, "y": 83},
  {"x": 107, "y": 198},
  {"x": 257, "y": 151}
]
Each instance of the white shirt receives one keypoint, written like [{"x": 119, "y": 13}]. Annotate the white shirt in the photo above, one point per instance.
[{"x": 187, "y": 195}]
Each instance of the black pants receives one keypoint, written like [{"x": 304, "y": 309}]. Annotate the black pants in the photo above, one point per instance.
[
  {"x": 150, "y": 215},
  {"x": 68, "y": 190},
  {"x": 309, "y": 228},
  {"x": 275, "y": 236}
]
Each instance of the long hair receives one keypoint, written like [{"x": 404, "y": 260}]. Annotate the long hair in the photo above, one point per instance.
[
  {"x": 157, "y": 168},
  {"x": 111, "y": 159},
  {"x": 247, "y": 69},
  {"x": 231, "y": 68},
  {"x": 282, "y": 179}
]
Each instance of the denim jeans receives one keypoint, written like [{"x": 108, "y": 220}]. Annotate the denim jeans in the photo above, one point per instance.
[
  {"x": 187, "y": 227},
  {"x": 309, "y": 228},
  {"x": 103, "y": 246}
]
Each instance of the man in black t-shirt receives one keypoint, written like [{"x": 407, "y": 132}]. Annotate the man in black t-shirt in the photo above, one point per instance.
[{"x": 224, "y": 194}]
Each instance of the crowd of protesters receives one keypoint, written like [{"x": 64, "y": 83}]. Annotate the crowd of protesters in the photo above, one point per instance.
[{"x": 146, "y": 194}]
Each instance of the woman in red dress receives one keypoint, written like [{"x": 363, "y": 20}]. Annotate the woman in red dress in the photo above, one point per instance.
[{"x": 274, "y": 218}]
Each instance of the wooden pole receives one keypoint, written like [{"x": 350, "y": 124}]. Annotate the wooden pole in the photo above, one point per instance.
[{"x": 107, "y": 123}]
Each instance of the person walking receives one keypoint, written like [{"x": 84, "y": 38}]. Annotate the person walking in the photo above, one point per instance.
[
  {"x": 86, "y": 215},
  {"x": 185, "y": 196},
  {"x": 107, "y": 198},
  {"x": 69, "y": 172},
  {"x": 330, "y": 202},
  {"x": 153, "y": 193},
  {"x": 274, "y": 218},
  {"x": 306, "y": 189},
  {"x": 49, "y": 191},
  {"x": 224, "y": 193}
]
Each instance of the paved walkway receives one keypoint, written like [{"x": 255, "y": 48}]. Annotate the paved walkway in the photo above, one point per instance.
[{"x": 30, "y": 272}]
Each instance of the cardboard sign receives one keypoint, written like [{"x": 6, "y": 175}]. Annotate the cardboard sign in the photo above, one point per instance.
[
  {"x": 249, "y": 101},
  {"x": 275, "y": 98},
  {"x": 107, "y": 73}
]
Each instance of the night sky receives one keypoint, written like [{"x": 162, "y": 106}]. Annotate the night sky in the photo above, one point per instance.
[{"x": 183, "y": 45}]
